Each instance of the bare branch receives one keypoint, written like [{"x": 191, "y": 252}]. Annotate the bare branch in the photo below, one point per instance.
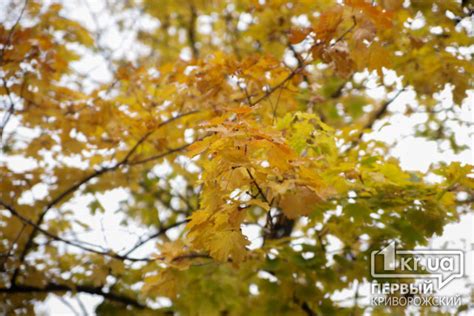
[
  {"x": 373, "y": 117},
  {"x": 159, "y": 156},
  {"x": 69, "y": 305},
  {"x": 66, "y": 241},
  {"x": 54, "y": 287},
  {"x": 153, "y": 236},
  {"x": 278, "y": 86},
  {"x": 9, "y": 112},
  {"x": 192, "y": 31}
]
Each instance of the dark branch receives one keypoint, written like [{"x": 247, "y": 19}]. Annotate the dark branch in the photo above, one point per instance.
[
  {"x": 159, "y": 156},
  {"x": 259, "y": 189},
  {"x": 153, "y": 236},
  {"x": 374, "y": 116},
  {"x": 66, "y": 241},
  {"x": 192, "y": 31},
  {"x": 53, "y": 287},
  {"x": 278, "y": 86},
  {"x": 12, "y": 30}
]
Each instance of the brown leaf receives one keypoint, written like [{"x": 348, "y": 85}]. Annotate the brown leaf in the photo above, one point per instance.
[{"x": 297, "y": 35}]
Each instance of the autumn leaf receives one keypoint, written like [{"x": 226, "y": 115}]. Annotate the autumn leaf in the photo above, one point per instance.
[
  {"x": 297, "y": 35},
  {"x": 300, "y": 201},
  {"x": 328, "y": 23},
  {"x": 228, "y": 243}
]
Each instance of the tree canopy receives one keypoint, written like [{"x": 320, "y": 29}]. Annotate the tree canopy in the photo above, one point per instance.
[{"x": 260, "y": 114}]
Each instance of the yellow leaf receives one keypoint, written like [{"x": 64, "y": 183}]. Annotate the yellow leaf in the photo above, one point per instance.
[
  {"x": 161, "y": 284},
  {"x": 259, "y": 203},
  {"x": 198, "y": 217},
  {"x": 299, "y": 202},
  {"x": 198, "y": 147},
  {"x": 228, "y": 243}
]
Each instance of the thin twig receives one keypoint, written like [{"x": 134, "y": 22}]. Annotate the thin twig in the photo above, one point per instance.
[
  {"x": 12, "y": 30},
  {"x": 340, "y": 38},
  {"x": 50, "y": 235},
  {"x": 81, "y": 305},
  {"x": 69, "y": 305},
  {"x": 160, "y": 232},
  {"x": 374, "y": 116}
]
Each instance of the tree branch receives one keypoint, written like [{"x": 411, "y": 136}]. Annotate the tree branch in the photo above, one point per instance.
[
  {"x": 68, "y": 305},
  {"x": 85, "y": 180},
  {"x": 66, "y": 241},
  {"x": 12, "y": 30},
  {"x": 192, "y": 31},
  {"x": 259, "y": 189},
  {"x": 53, "y": 287},
  {"x": 159, "y": 156},
  {"x": 153, "y": 236},
  {"x": 9, "y": 112},
  {"x": 373, "y": 117},
  {"x": 276, "y": 87}
]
